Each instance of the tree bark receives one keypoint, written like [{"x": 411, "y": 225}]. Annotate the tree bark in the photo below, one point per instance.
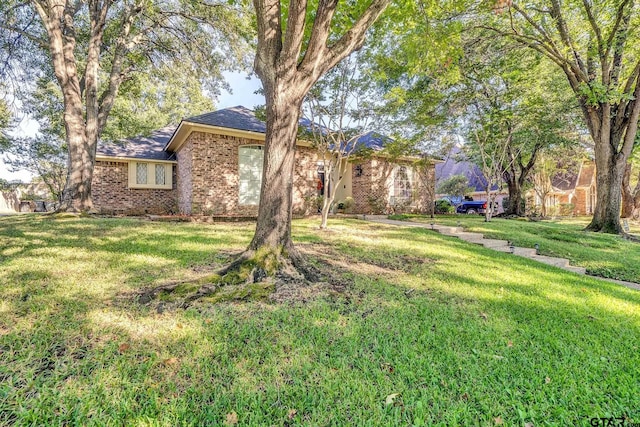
[
  {"x": 286, "y": 79},
  {"x": 58, "y": 19},
  {"x": 609, "y": 173},
  {"x": 273, "y": 227},
  {"x": 515, "y": 197}
]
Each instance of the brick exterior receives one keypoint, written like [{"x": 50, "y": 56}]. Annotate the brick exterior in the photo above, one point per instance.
[
  {"x": 372, "y": 189},
  {"x": 206, "y": 182},
  {"x": 209, "y": 181},
  {"x": 112, "y": 195}
]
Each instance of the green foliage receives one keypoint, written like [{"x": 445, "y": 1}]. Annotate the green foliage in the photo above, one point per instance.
[
  {"x": 5, "y": 119},
  {"x": 413, "y": 57},
  {"x": 455, "y": 185},
  {"x": 149, "y": 101},
  {"x": 516, "y": 343},
  {"x": 172, "y": 65},
  {"x": 43, "y": 156},
  {"x": 443, "y": 207}
]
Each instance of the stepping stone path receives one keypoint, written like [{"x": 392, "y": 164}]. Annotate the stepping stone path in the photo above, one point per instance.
[{"x": 496, "y": 245}]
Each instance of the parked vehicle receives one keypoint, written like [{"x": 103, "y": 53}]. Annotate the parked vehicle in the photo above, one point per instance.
[{"x": 472, "y": 207}]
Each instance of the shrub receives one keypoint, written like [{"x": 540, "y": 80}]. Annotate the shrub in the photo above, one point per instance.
[
  {"x": 348, "y": 205},
  {"x": 443, "y": 207},
  {"x": 567, "y": 209}
]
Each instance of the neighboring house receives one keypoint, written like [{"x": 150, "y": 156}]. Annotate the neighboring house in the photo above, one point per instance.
[
  {"x": 212, "y": 165},
  {"x": 456, "y": 163},
  {"x": 21, "y": 197},
  {"x": 573, "y": 192}
]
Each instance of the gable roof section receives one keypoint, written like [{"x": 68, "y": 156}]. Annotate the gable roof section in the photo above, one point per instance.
[
  {"x": 241, "y": 121},
  {"x": 565, "y": 180},
  {"x": 457, "y": 164},
  {"x": 149, "y": 147},
  {"x": 238, "y": 117},
  {"x": 569, "y": 173},
  {"x": 587, "y": 172}
]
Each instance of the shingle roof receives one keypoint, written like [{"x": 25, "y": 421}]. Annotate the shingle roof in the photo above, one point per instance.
[
  {"x": 242, "y": 118},
  {"x": 586, "y": 174},
  {"x": 149, "y": 147},
  {"x": 566, "y": 177},
  {"x": 152, "y": 147},
  {"x": 564, "y": 180},
  {"x": 373, "y": 140},
  {"x": 237, "y": 117},
  {"x": 456, "y": 164}
]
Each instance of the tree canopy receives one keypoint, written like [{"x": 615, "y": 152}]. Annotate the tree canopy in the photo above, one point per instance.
[{"x": 91, "y": 48}]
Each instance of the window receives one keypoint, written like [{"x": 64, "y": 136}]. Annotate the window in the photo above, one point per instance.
[
  {"x": 250, "y": 159},
  {"x": 141, "y": 173},
  {"x": 150, "y": 175},
  {"x": 402, "y": 188}
]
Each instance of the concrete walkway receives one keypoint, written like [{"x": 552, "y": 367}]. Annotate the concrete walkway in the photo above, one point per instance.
[{"x": 496, "y": 245}]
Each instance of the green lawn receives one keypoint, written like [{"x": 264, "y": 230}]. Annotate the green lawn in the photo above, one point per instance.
[
  {"x": 462, "y": 334},
  {"x": 602, "y": 255}
]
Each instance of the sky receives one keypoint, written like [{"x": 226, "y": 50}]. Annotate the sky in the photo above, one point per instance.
[{"x": 243, "y": 89}]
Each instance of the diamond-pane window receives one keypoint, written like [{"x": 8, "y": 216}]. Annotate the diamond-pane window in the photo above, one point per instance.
[
  {"x": 141, "y": 173},
  {"x": 160, "y": 178}
]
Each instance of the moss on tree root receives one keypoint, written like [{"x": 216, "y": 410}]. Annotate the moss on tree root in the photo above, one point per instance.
[{"x": 252, "y": 276}]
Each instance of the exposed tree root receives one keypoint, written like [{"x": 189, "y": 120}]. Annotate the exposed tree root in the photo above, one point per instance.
[
  {"x": 631, "y": 237},
  {"x": 253, "y": 275}
]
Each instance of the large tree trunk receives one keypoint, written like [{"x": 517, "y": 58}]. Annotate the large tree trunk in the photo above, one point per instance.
[
  {"x": 273, "y": 228},
  {"x": 76, "y": 196},
  {"x": 515, "y": 198},
  {"x": 609, "y": 174}
]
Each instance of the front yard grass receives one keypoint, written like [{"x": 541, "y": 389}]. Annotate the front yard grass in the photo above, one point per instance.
[
  {"x": 603, "y": 255},
  {"x": 430, "y": 330}
]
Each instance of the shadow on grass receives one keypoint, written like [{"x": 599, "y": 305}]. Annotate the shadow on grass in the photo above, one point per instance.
[{"x": 467, "y": 337}]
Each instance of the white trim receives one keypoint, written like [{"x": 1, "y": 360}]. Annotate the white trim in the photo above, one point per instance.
[
  {"x": 132, "y": 159},
  {"x": 168, "y": 176}
]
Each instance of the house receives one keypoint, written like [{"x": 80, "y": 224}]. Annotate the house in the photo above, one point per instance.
[
  {"x": 25, "y": 197},
  {"x": 456, "y": 163},
  {"x": 211, "y": 165},
  {"x": 571, "y": 191}
]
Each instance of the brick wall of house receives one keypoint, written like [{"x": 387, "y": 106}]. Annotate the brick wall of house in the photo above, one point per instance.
[
  {"x": 361, "y": 185},
  {"x": 112, "y": 195},
  {"x": 371, "y": 190},
  {"x": 211, "y": 162},
  {"x": 580, "y": 201}
]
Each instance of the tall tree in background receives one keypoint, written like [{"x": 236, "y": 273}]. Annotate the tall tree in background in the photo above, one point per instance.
[
  {"x": 521, "y": 98},
  {"x": 43, "y": 157},
  {"x": 456, "y": 187},
  {"x": 297, "y": 44},
  {"x": 597, "y": 47},
  {"x": 93, "y": 46},
  {"x": 416, "y": 63}
]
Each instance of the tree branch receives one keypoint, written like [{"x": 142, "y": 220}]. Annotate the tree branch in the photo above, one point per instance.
[
  {"x": 294, "y": 34},
  {"x": 352, "y": 40},
  {"x": 269, "y": 38}
]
